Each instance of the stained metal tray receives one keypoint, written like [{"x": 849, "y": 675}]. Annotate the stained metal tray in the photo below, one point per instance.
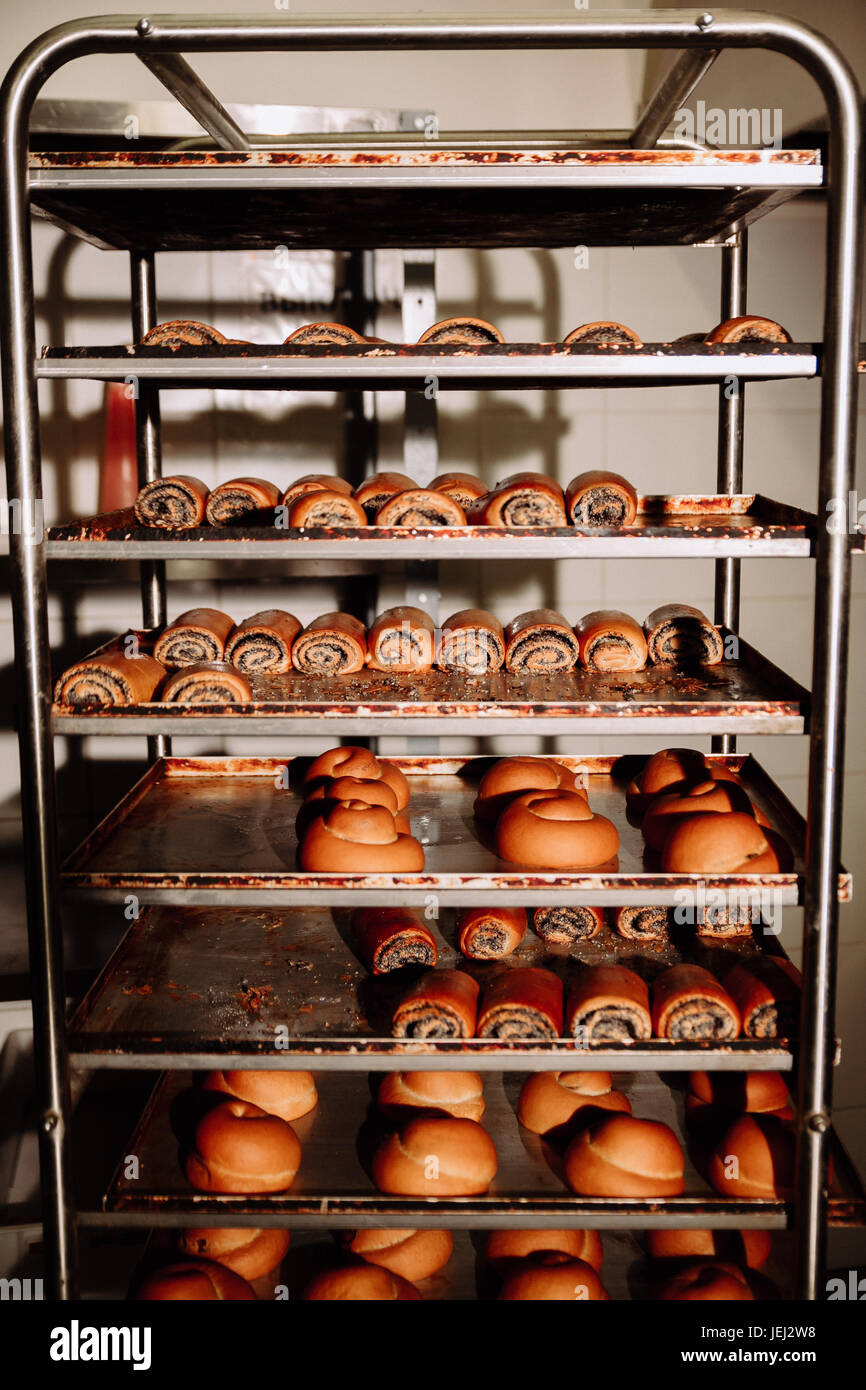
[
  {"x": 690, "y": 526},
  {"x": 333, "y": 1187},
  {"x": 372, "y": 198},
  {"x": 749, "y": 695},
  {"x": 192, "y": 988},
  {"x": 220, "y": 831}
]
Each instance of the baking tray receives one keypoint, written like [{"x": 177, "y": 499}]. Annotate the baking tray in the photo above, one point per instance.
[
  {"x": 191, "y": 988},
  {"x": 746, "y": 696},
  {"x": 333, "y": 1188},
  {"x": 220, "y": 831},
  {"x": 689, "y": 526},
  {"x": 374, "y": 198}
]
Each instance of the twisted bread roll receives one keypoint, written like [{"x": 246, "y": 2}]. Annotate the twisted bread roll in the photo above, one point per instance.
[
  {"x": 523, "y": 499},
  {"x": 563, "y": 926},
  {"x": 611, "y": 641},
  {"x": 240, "y": 497},
  {"x": 521, "y": 1003},
  {"x": 503, "y": 1249},
  {"x": 555, "y": 830},
  {"x": 288, "y": 1094},
  {"x": 490, "y": 933},
  {"x": 419, "y": 507},
  {"x": 606, "y": 333},
  {"x": 473, "y": 641},
  {"x": 730, "y": 844},
  {"x": 748, "y": 1092},
  {"x": 540, "y": 642},
  {"x": 608, "y": 1003},
  {"x": 755, "y": 1158},
  {"x": 351, "y": 761},
  {"x": 436, "y": 1157},
  {"x": 314, "y": 482},
  {"x": 682, "y": 636},
  {"x": 543, "y": 1280},
  {"x": 375, "y": 491},
  {"x": 401, "y": 639},
  {"x": 247, "y": 1252},
  {"x": 198, "y": 635},
  {"x": 194, "y": 1281},
  {"x": 465, "y": 488},
  {"x": 353, "y": 837},
  {"x": 110, "y": 678},
  {"x": 331, "y": 645},
  {"x": 239, "y": 1148},
  {"x": 512, "y": 777},
  {"x": 621, "y": 1156},
  {"x": 671, "y": 809},
  {"x": 263, "y": 642},
  {"x": 457, "y": 1093},
  {"x": 207, "y": 683},
  {"x": 411, "y": 1254},
  {"x": 550, "y": 1100},
  {"x": 600, "y": 498},
  {"x": 326, "y": 507},
  {"x": 463, "y": 331},
  {"x": 442, "y": 1004},
  {"x": 173, "y": 504},
  {"x": 672, "y": 769},
  {"x": 748, "y": 328},
  {"x": 688, "y": 1002},
  {"x": 360, "y": 1283},
  {"x": 389, "y": 938},
  {"x": 372, "y": 792}
]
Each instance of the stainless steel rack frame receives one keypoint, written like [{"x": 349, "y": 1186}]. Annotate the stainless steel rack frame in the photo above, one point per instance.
[{"x": 158, "y": 41}]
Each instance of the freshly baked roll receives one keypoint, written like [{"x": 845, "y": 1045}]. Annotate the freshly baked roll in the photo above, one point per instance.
[
  {"x": 742, "y": 1093},
  {"x": 748, "y": 328},
  {"x": 558, "y": 1281},
  {"x": 457, "y": 1093},
  {"x": 442, "y": 1004},
  {"x": 523, "y": 499},
  {"x": 540, "y": 642},
  {"x": 328, "y": 334},
  {"x": 420, "y": 507},
  {"x": 503, "y": 1249},
  {"x": 207, "y": 683},
  {"x": 334, "y": 644},
  {"x": 688, "y": 1002},
  {"x": 247, "y": 1252},
  {"x": 767, "y": 993},
  {"x": 411, "y": 1254},
  {"x": 611, "y": 641},
  {"x": 360, "y": 1283},
  {"x": 643, "y": 923},
  {"x": 565, "y": 926},
  {"x": 512, "y": 777},
  {"x": 524, "y": 1003},
  {"x": 240, "y": 497},
  {"x": 263, "y": 642},
  {"x": 472, "y": 641},
  {"x": 375, "y": 491},
  {"x": 465, "y": 488},
  {"x": 353, "y": 837},
  {"x": 389, "y": 938},
  {"x": 326, "y": 507},
  {"x": 401, "y": 640},
  {"x": 435, "y": 1156},
  {"x": 198, "y": 635},
  {"x": 288, "y": 1094},
  {"x": 750, "y": 1248},
  {"x": 464, "y": 331},
  {"x": 715, "y": 922},
  {"x": 489, "y": 933},
  {"x": 600, "y": 498},
  {"x": 373, "y": 792},
  {"x": 183, "y": 333},
  {"x": 109, "y": 678},
  {"x": 239, "y": 1148},
  {"x": 671, "y": 809},
  {"x": 177, "y": 503},
  {"x": 679, "y": 635},
  {"x": 672, "y": 769},
  {"x": 550, "y": 1100},
  {"x": 706, "y": 1280},
  {"x": 351, "y": 761},
  {"x": 555, "y": 830},
  {"x": 314, "y": 482},
  {"x": 193, "y": 1281},
  {"x": 621, "y": 1156},
  {"x": 731, "y": 844},
  {"x": 608, "y": 1003},
  {"x": 606, "y": 333},
  {"x": 754, "y": 1158}
]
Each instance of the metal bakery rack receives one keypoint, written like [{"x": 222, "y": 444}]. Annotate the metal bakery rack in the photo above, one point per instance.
[{"x": 169, "y": 999}]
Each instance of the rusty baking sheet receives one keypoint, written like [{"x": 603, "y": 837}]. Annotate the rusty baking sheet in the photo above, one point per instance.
[
  {"x": 333, "y": 1187},
  {"x": 193, "y": 988},
  {"x": 220, "y": 831},
  {"x": 685, "y": 525},
  {"x": 749, "y": 695}
]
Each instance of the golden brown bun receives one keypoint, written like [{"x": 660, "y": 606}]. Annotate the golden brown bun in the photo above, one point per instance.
[
  {"x": 240, "y": 1148},
  {"x": 360, "y": 1283},
  {"x": 751, "y": 1248},
  {"x": 504, "y": 1248},
  {"x": 355, "y": 762},
  {"x": 436, "y": 1158},
  {"x": 755, "y": 1158},
  {"x": 551, "y": 1099},
  {"x": 247, "y": 1252},
  {"x": 194, "y": 1281},
  {"x": 728, "y": 844},
  {"x": 401, "y": 639},
  {"x": 752, "y": 1092},
  {"x": 413, "y": 1255},
  {"x": 672, "y": 769},
  {"x": 353, "y": 837},
  {"x": 512, "y": 777},
  {"x": 611, "y": 640},
  {"x": 622, "y": 1156},
  {"x": 289, "y": 1094},
  {"x": 489, "y": 933},
  {"x": 568, "y": 1282},
  {"x": 670, "y": 809},
  {"x": 555, "y": 830},
  {"x": 457, "y": 1093},
  {"x": 706, "y": 1280}
]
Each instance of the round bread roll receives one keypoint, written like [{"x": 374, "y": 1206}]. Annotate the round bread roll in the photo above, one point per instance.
[
  {"x": 729, "y": 844},
  {"x": 360, "y": 1283},
  {"x": 555, "y": 830},
  {"x": 239, "y": 1148},
  {"x": 503, "y": 1249},
  {"x": 194, "y": 1281},
  {"x": 751, "y": 1248},
  {"x": 289, "y": 1094},
  {"x": 540, "y": 1281},
  {"x": 456, "y": 1093},
  {"x": 672, "y": 769},
  {"x": 352, "y": 837},
  {"x": 372, "y": 792},
  {"x": 413, "y": 1255},
  {"x": 752, "y": 1092},
  {"x": 353, "y": 761},
  {"x": 512, "y": 777},
  {"x": 622, "y": 1156},
  {"x": 754, "y": 1158},
  {"x": 247, "y": 1252},
  {"x": 706, "y": 1280},
  {"x": 551, "y": 1099},
  {"x": 436, "y": 1158}
]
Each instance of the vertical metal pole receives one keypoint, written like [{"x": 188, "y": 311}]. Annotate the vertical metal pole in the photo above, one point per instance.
[
  {"x": 33, "y": 693},
  {"x": 729, "y": 477},
  {"x": 148, "y": 440}
]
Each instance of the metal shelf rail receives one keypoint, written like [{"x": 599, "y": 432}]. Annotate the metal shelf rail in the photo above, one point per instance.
[{"x": 159, "y": 42}]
